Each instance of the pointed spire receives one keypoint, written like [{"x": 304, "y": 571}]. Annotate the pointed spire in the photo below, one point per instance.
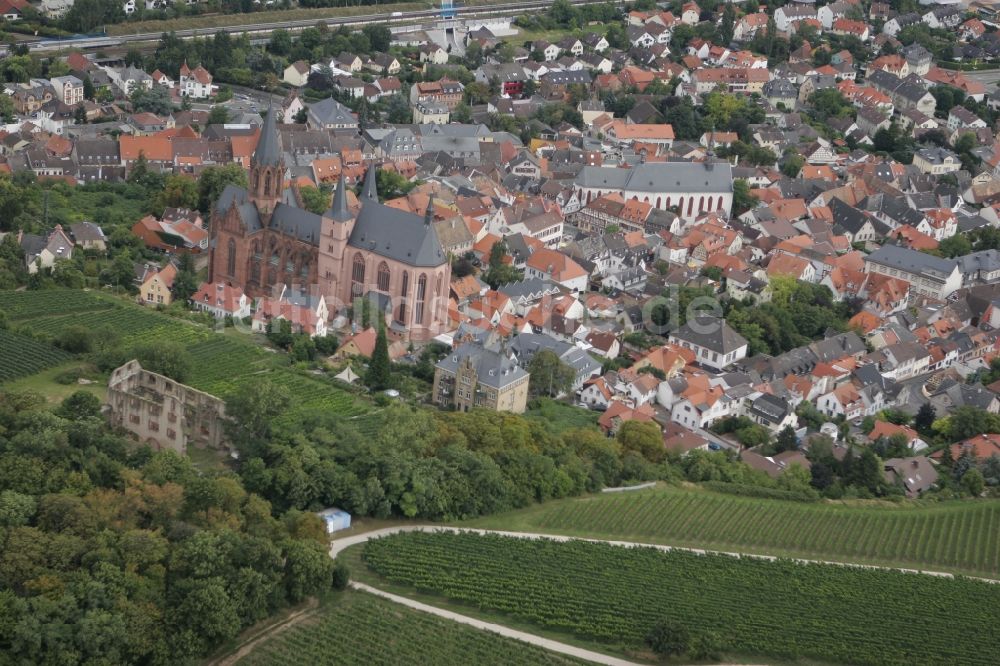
[
  {"x": 429, "y": 215},
  {"x": 370, "y": 190},
  {"x": 268, "y": 152},
  {"x": 338, "y": 210}
]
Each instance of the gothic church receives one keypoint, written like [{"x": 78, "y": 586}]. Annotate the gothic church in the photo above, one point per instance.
[{"x": 263, "y": 236}]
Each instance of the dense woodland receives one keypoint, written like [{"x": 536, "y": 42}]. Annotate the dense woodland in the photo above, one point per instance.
[{"x": 114, "y": 554}]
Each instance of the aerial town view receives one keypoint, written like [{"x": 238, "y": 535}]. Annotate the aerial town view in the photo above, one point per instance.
[{"x": 447, "y": 333}]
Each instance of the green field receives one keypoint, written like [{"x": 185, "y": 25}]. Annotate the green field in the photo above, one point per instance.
[
  {"x": 777, "y": 609},
  {"x": 963, "y": 537},
  {"x": 358, "y": 628},
  {"x": 222, "y": 362}
]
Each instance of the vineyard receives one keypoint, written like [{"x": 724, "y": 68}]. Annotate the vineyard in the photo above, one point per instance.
[
  {"x": 358, "y": 628},
  {"x": 778, "y": 609},
  {"x": 21, "y": 356},
  {"x": 222, "y": 363},
  {"x": 962, "y": 536},
  {"x": 31, "y": 304}
]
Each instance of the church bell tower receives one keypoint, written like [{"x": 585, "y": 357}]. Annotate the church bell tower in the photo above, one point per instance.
[{"x": 267, "y": 168}]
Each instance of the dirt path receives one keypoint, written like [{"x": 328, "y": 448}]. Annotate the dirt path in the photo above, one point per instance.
[
  {"x": 548, "y": 644},
  {"x": 246, "y": 648}
]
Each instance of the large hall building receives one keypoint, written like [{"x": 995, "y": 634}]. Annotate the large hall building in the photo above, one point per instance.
[
  {"x": 689, "y": 188},
  {"x": 262, "y": 237}
]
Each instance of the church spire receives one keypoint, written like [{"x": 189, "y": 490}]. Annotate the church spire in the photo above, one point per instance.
[
  {"x": 268, "y": 152},
  {"x": 429, "y": 215},
  {"x": 370, "y": 190},
  {"x": 338, "y": 210}
]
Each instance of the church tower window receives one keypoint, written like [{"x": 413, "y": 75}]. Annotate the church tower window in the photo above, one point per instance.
[{"x": 231, "y": 257}]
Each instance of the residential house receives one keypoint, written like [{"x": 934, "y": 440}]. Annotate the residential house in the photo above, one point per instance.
[
  {"x": 296, "y": 74},
  {"x": 927, "y": 275},
  {"x": 41, "y": 252},
  {"x": 472, "y": 376},
  {"x": 156, "y": 283},
  {"x": 713, "y": 341},
  {"x": 221, "y": 300}
]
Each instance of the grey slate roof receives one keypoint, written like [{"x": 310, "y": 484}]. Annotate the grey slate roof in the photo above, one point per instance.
[
  {"x": 910, "y": 260},
  {"x": 493, "y": 369},
  {"x": 713, "y": 333},
  {"x": 268, "y": 152},
  {"x": 338, "y": 209},
  {"x": 331, "y": 112},
  {"x": 661, "y": 177},
  {"x": 396, "y": 234}
]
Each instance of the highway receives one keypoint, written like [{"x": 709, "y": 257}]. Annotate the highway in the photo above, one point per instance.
[{"x": 395, "y": 18}]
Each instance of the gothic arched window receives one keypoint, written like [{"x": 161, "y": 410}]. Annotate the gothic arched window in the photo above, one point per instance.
[
  {"x": 421, "y": 293},
  {"x": 382, "y": 283},
  {"x": 403, "y": 297},
  {"x": 358, "y": 275},
  {"x": 267, "y": 184},
  {"x": 231, "y": 257}
]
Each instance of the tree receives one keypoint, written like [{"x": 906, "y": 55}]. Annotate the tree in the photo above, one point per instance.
[
  {"x": 155, "y": 100},
  {"x": 76, "y": 339},
  {"x": 966, "y": 422},
  {"x": 80, "y": 405},
  {"x": 315, "y": 199},
  {"x": 178, "y": 192},
  {"x": 215, "y": 179},
  {"x": 866, "y": 471},
  {"x": 379, "y": 373},
  {"x": 728, "y": 24},
  {"x": 88, "y": 87},
  {"x": 924, "y": 418},
  {"x": 792, "y": 165},
  {"x": 549, "y": 375},
  {"x": 279, "y": 333},
  {"x": 500, "y": 272},
  {"x": 6, "y": 108},
  {"x": 786, "y": 440},
  {"x": 379, "y": 37},
  {"x": 254, "y": 405},
  {"x": 280, "y": 42},
  {"x": 616, "y": 36},
  {"x": 165, "y": 357},
  {"x": 218, "y": 115},
  {"x": 644, "y": 438},
  {"x": 186, "y": 280},
  {"x": 955, "y": 246},
  {"x": 742, "y": 199},
  {"x": 80, "y": 116},
  {"x": 973, "y": 482},
  {"x": 668, "y": 640}
]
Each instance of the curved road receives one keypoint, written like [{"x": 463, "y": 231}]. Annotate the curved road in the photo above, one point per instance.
[{"x": 339, "y": 545}]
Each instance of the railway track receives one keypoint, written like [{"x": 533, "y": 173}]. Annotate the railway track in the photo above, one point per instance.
[{"x": 393, "y": 18}]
